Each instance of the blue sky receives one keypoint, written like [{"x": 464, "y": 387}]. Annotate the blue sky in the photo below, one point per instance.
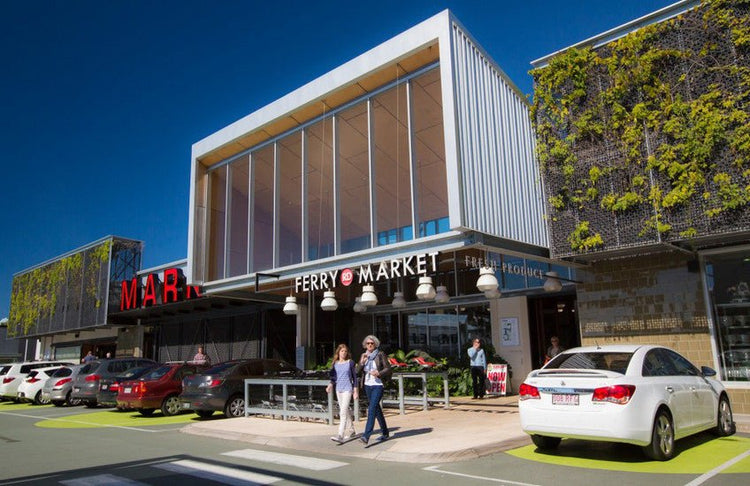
[{"x": 102, "y": 100}]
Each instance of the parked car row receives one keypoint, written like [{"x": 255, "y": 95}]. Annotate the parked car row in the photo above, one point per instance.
[{"x": 141, "y": 384}]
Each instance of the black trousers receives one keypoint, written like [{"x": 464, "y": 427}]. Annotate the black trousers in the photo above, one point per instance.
[{"x": 477, "y": 381}]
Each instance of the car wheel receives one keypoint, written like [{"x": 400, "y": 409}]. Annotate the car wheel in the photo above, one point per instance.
[
  {"x": 724, "y": 422},
  {"x": 170, "y": 406},
  {"x": 544, "y": 442},
  {"x": 204, "y": 413},
  {"x": 661, "y": 447},
  {"x": 235, "y": 407},
  {"x": 90, "y": 403},
  {"x": 72, "y": 402},
  {"x": 38, "y": 400},
  {"x": 146, "y": 412},
  {"x": 58, "y": 403}
]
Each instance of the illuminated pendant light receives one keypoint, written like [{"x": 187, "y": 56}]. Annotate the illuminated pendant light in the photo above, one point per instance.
[
  {"x": 291, "y": 308},
  {"x": 368, "y": 298},
  {"x": 487, "y": 280},
  {"x": 398, "y": 300},
  {"x": 441, "y": 296},
  {"x": 358, "y": 306},
  {"x": 552, "y": 284},
  {"x": 425, "y": 291},
  {"x": 329, "y": 301}
]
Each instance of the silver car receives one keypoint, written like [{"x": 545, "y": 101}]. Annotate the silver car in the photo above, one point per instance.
[{"x": 59, "y": 388}]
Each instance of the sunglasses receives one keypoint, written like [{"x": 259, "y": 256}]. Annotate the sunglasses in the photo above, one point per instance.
[{"x": 370, "y": 342}]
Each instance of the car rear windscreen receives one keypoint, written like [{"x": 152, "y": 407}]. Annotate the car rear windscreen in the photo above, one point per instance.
[{"x": 610, "y": 361}]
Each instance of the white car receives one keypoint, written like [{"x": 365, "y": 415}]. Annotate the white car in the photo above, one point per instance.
[
  {"x": 30, "y": 389},
  {"x": 644, "y": 395},
  {"x": 17, "y": 372}
]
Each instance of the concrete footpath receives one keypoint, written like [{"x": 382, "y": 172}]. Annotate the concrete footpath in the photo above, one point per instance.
[{"x": 466, "y": 430}]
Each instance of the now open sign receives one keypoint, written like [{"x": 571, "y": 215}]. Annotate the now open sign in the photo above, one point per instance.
[{"x": 497, "y": 379}]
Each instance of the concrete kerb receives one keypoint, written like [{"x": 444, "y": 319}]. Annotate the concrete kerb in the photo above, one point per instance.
[{"x": 466, "y": 430}]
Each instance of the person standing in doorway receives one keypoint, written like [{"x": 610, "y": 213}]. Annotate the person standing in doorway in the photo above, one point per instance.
[
  {"x": 201, "y": 357},
  {"x": 478, "y": 363},
  {"x": 554, "y": 349},
  {"x": 374, "y": 370},
  {"x": 88, "y": 358},
  {"x": 344, "y": 381}
]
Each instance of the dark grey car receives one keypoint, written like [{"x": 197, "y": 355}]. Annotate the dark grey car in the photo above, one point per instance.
[
  {"x": 86, "y": 384},
  {"x": 221, "y": 388}
]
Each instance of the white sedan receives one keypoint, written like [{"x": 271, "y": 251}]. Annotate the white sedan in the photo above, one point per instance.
[
  {"x": 30, "y": 389},
  {"x": 644, "y": 395}
]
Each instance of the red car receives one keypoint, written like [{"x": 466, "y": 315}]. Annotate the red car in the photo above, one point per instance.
[{"x": 157, "y": 389}]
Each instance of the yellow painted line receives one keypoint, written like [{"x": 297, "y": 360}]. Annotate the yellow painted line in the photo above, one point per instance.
[
  {"x": 695, "y": 455},
  {"x": 114, "y": 419}
]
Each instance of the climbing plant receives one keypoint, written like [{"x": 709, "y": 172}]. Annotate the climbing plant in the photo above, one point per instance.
[
  {"x": 36, "y": 294},
  {"x": 648, "y": 137}
]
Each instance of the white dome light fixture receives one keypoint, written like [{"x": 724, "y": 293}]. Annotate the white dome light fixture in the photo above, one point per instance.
[
  {"x": 425, "y": 291},
  {"x": 441, "y": 296},
  {"x": 368, "y": 298},
  {"x": 487, "y": 280},
  {"x": 329, "y": 301},
  {"x": 291, "y": 308},
  {"x": 552, "y": 284},
  {"x": 398, "y": 300},
  {"x": 358, "y": 305}
]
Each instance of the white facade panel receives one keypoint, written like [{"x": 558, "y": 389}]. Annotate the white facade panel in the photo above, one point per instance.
[{"x": 501, "y": 193}]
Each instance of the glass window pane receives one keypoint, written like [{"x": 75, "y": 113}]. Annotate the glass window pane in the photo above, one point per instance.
[
  {"x": 354, "y": 174},
  {"x": 217, "y": 208},
  {"x": 320, "y": 211},
  {"x": 392, "y": 166},
  {"x": 262, "y": 222},
  {"x": 238, "y": 217},
  {"x": 290, "y": 191},
  {"x": 429, "y": 152}
]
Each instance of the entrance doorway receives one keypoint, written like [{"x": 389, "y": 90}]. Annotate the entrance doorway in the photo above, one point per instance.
[{"x": 552, "y": 316}]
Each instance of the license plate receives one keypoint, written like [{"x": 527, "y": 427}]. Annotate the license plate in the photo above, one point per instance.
[
  {"x": 76, "y": 389},
  {"x": 127, "y": 389},
  {"x": 185, "y": 405},
  {"x": 564, "y": 399},
  {"x": 104, "y": 387}
]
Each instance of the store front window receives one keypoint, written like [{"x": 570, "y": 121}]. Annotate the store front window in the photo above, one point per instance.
[{"x": 728, "y": 280}]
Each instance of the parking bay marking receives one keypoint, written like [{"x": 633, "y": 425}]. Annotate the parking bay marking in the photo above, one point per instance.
[
  {"x": 81, "y": 422},
  {"x": 108, "y": 479},
  {"x": 304, "y": 462},
  {"x": 713, "y": 472},
  {"x": 471, "y": 476}
]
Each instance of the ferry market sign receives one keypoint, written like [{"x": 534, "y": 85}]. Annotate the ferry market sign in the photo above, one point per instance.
[
  {"x": 172, "y": 288},
  {"x": 385, "y": 270}
]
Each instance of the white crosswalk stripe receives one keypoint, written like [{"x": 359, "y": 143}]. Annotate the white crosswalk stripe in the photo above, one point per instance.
[
  {"x": 102, "y": 480},
  {"x": 221, "y": 474},
  {"x": 311, "y": 463}
]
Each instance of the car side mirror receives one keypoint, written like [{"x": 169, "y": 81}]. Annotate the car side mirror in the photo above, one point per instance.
[{"x": 706, "y": 371}]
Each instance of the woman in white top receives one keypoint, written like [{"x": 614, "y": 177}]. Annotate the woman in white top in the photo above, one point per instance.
[
  {"x": 374, "y": 369},
  {"x": 344, "y": 381}
]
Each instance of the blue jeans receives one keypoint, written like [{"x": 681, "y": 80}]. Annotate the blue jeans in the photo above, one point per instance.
[{"x": 374, "y": 394}]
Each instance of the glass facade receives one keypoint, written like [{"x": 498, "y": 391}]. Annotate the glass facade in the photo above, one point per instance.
[
  {"x": 369, "y": 174},
  {"x": 728, "y": 281}
]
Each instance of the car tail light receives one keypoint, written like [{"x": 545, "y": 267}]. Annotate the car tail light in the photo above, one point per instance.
[
  {"x": 114, "y": 387},
  {"x": 60, "y": 383},
  {"x": 8, "y": 379},
  {"x": 211, "y": 383},
  {"x": 140, "y": 389},
  {"x": 93, "y": 377},
  {"x": 526, "y": 391},
  {"x": 619, "y": 394},
  {"x": 33, "y": 380}
]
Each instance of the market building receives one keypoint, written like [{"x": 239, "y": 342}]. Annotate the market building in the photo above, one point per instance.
[{"x": 643, "y": 150}]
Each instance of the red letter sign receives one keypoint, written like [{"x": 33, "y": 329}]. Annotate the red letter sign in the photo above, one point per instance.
[
  {"x": 129, "y": 296},
  {"x": 149, "y": 295},
  {"x": 169, "y": 289}
]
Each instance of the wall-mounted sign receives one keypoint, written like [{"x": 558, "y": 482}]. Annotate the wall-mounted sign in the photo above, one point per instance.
[
  {"x": 509, "y": 268},
  {"x": 509, "y": 331},
  {"x": 497, "y": 379},
  {"x": 387, "y": 269},
  {"x": 173, "y": 288}
]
